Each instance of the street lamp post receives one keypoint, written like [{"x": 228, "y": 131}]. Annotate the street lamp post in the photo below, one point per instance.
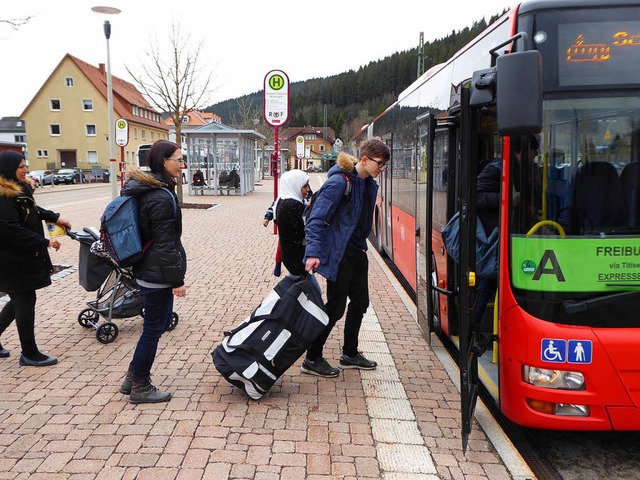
[{"x": 113, "y": 172}]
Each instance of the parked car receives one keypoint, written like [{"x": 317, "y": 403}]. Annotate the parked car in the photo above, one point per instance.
[
  {"x": 43, "y": 177},
  {"x": 68, "y": 176}
]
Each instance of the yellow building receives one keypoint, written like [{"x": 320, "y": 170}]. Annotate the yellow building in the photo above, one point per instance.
[{"x": 66, "y": 121}]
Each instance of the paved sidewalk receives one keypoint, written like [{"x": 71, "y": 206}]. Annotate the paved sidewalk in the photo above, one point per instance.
[{"x": 399, "y": 422}]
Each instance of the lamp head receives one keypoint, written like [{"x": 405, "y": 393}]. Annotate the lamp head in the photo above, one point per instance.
[{"x": 103, "y": 11}]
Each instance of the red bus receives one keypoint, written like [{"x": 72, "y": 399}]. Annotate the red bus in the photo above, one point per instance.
[{"x": 566, "y": 311}]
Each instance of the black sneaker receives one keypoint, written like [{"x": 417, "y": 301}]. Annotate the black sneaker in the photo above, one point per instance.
[
  {"x": 357, "y": 361},
  {"x": 320, "y": 368}
]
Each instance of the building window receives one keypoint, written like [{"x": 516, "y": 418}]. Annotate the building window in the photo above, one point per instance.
[
  {"x": 185, "y": 119},
  {"x": 54, "y": 130},
  {"x": 135, "y": 133},
  {"x": 91, "y": 130},
  {"x": 87, "y": 105},
  {"x": 92, "y": 157},
  {"x": 134, "y": 110},
  {"x": 152, "y": 136},
  {"x": 68, "y": 81},
  {"x": 143, "y": 134},
  {"x": 43, "y": 153},
  {"x": 20, "y": 138},
  {"x": 322, "y": 148},
  {"x": 54, "y": 105}
]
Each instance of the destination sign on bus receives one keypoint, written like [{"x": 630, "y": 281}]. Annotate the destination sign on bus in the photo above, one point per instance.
[
  {"x": 575, "y": 264},
  {"x": 598, "y": 53}
]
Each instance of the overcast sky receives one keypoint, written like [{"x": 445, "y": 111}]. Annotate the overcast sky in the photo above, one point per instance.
[{"x": 243, "y": 39}]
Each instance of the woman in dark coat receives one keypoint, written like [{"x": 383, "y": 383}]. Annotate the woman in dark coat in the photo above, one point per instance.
[
  {"x": 294, "y": 186},
  {"x": 160, "y": 273},
  {"x": 25, "y": 265}
]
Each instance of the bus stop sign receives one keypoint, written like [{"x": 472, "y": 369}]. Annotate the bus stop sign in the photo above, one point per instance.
[
  {"x": 276, "y": 98},
  {"x": 300, "y": 146},
  {"x": 122, "y": 132}
]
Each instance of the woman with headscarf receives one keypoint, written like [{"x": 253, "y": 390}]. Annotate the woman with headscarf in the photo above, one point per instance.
[
  {"x": 25, "y": 265},
  {"x": 294, "y": 188}
]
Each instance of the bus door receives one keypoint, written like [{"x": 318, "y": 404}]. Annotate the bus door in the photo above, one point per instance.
[
  {"x": 466, "y": 180},
  {"x": 425, "y": 267},
  {"x": 386, "y": 235},
  {"x": 435, "y": 146}
]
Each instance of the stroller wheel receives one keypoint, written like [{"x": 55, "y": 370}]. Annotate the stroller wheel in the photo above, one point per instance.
[
  {"x": 107, "y": 332},
  {"x": 174, "y": 322},
  {"x": 88, "y": 318}
]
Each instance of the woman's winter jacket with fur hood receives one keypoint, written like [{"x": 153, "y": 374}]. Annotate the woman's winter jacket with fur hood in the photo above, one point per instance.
[
  {"x": 165, "y": 261},
  {"x": 334, "y": 217},
  {"x": 25, "y": 264}
]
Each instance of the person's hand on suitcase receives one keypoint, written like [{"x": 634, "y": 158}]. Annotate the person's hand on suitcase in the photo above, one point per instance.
[{"x": 312, "y": 264}]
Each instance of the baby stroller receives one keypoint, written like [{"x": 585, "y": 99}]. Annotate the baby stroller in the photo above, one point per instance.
[{"x": 118, "y": 295}]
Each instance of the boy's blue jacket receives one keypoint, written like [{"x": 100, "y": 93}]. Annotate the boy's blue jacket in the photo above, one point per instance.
[{"x": 335, "y": 217}]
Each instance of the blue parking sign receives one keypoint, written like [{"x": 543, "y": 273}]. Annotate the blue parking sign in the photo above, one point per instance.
[
  {"x": 580, "y": 351},
  {"x": 554, "y": 350}
]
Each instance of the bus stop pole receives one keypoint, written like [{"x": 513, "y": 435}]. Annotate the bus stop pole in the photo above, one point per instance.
[
  {"x": 275, "y": 164},
  {"x": 122, "y": 167}
]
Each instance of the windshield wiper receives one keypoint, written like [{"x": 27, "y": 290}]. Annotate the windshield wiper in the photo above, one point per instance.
[{"x": 572, "y": 307}]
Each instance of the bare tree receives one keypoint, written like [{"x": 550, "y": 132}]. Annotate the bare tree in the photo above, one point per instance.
[
  {"x": 174, "y": 79},
  {"x": 16, "y": 23},
  {"x": 246, "y": 114}
]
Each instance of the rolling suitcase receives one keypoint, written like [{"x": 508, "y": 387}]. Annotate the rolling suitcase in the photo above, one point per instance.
[{"x": 257, "y": 352}]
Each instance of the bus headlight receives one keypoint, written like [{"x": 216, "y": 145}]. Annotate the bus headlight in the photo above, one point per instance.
[{"x": 560, "y": 379}]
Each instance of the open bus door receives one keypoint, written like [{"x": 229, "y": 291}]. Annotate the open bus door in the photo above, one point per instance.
[
  {"x": 466, "y": 179},
  {"x": 426, "y": 295},
  {"x": 463, "y": 131}
]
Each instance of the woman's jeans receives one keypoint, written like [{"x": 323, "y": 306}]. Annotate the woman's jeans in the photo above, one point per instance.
[
  {"x": 22, "y": 308},
  {"x": 158, "y": 309}
]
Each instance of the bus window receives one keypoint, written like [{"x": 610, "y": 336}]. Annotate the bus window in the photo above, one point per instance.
[{"x": 143, "y": 152}]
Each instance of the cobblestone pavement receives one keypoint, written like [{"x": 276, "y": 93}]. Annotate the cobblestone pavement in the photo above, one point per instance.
[{"x": 401, "y": 421}]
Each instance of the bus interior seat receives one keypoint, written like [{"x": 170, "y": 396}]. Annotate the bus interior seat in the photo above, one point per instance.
[
  {"x": 598, "y": 198},
  {"x": 630, "y": 179}
]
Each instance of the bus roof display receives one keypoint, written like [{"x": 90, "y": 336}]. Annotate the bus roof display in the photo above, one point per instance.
[{"x": 598, "y": 53}]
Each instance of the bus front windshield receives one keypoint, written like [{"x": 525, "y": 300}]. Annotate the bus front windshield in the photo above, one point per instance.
[{"x": 574, "y": 215}]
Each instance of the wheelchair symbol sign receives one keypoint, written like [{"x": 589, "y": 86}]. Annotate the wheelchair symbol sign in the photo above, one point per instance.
[
  {"x": 554, "y": 350},
  {"x": 580, "y": 351}
]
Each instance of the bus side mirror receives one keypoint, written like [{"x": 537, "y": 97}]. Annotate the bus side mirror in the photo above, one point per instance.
[
  {"x": 519, "y": 93},
  {"x": 483, "y": 87}
]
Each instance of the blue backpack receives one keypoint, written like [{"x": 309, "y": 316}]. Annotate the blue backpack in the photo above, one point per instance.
[
  {"x": 306, "y": 214},
  {"x": 120, "y": 230}
]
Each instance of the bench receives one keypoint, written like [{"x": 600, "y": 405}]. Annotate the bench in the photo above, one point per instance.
[
  {"x": 200, "y": 189},
  {"x": 229, "y": 189}
]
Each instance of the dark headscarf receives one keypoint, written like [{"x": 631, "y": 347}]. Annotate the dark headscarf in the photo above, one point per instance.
[{"x": 9, "y": 163}]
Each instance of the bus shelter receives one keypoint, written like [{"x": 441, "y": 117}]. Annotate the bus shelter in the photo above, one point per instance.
[{"x": 221, "y": 158}]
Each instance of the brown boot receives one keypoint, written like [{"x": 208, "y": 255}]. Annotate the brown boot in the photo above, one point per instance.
[
  {"x": 143, "y": 391},
  {"x": 125, "y": 388}
]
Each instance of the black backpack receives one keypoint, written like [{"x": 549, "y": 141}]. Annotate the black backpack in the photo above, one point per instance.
[{"x": 347, "y": 196}]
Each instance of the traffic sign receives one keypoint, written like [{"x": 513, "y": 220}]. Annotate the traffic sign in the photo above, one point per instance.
[
  {"x": 300, "y": 146},
  {"x": 122, "y": 132},
  {"x": 276, "y": 98}
]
